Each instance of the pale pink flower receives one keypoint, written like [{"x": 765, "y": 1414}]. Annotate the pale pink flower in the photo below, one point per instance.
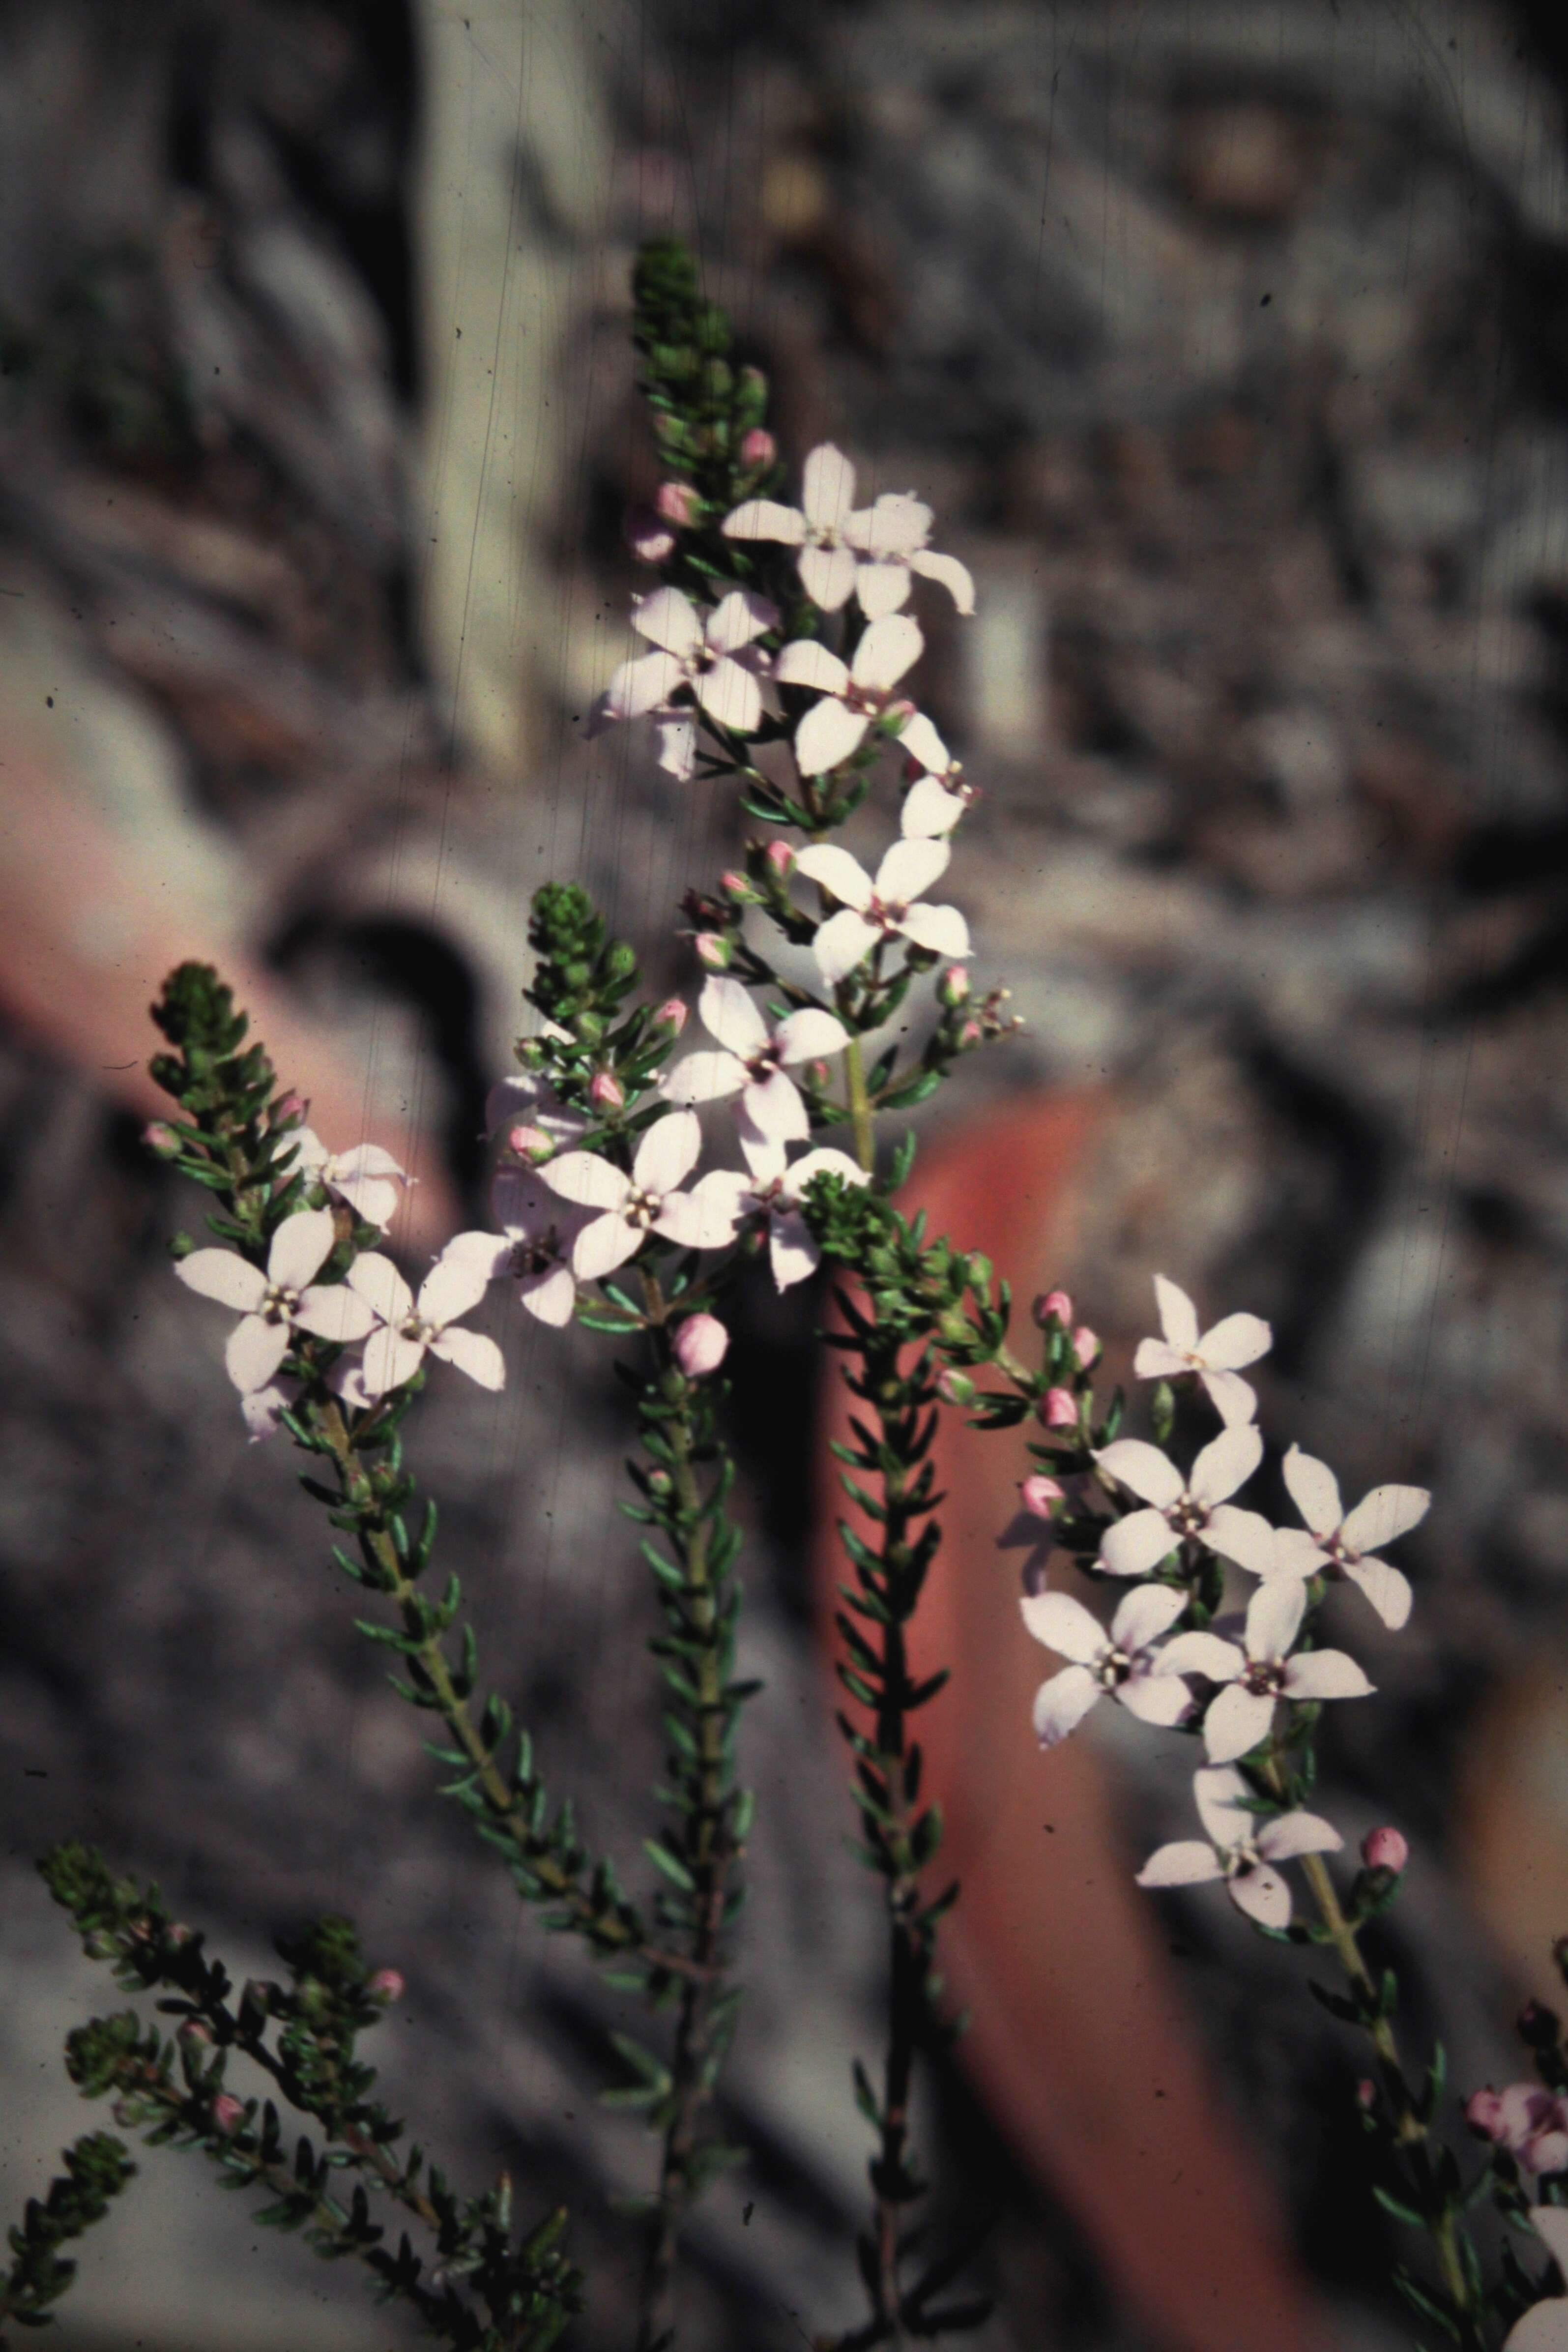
[
  {"x": 1198, "y": 1506},
  {"x": 700, "y": 1345},
  {"x": 1217, "y": 1357},
  {"x": 367, "y": 1177},
  {"x": 648, "y": 1200},
  {"x": 1057, "y": 1409},
  {"x": 1545, "y": 2327},
  {"x": 1239, "y": 1848},
  {"x": 1349, "y": 1540},
  {"x": 1039, "y": 1494},
  {"x": 873, "y": 910},
  {"x": 707, "y": 654},
  {"x": 275, "y": 1305},
  {"x": 410, "y": 1327},
  {"x": 386, "y": 1984},
  {"x": 772, "y": 1190},
  {"x": 1527, "y": 2119},
  {"x": 1262, "y": 1670},
  {"x": 1385, "y": 1849},
  {"x": 533, "y": 1247},
  {"x": 1124, "y": 1663},
  {"x": 895, "y": 541},
  {"x": 937, "y": 800},
  {"x": 824, "y": 526},
  {"x": 852, "y": 695},
  {"x": 678, "y": 503},
  {"x": 752, "y": 1059}
]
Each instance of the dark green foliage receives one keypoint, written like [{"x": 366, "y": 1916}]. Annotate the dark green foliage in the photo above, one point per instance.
[
  {"x": 97, "y": 2168},
  {"x": 581, "y": 983},
  {"x": 703, "y": 405}
]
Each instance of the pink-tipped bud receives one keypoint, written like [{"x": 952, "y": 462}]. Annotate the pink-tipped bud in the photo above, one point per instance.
[
  {"x": 1054, "y": 1306},
  {"x": 671, "y": 1015},
  {"x": 193, "y": 2029},
  {"x": 899, "y": 712},
  {"x": 970, "y": 1033},
  {"x": 179, "y": 1933},
  {"x": 953, "y": 987},
  {"x": 227, "y": 2112},
  {"x": 739, "y": 886},
  {"x": 678, "y": 503},
  {"x": 954, "y": 1387},
  {"x": 1085, "y": 1347},
  {"x": 757, "y": 449},
  {"x": 714, "y": 951},
  {"x": 161, "y": 1140},
  {"x": 1385, "y": 1849},
  {"x": 1057, "y": 1409},
  {"x": 780, "y": 857},
  {"x": 700, "y": 1344},
  {"x": 386, "y": 1984},
  {"x": 605, "y": 1091},
  {"x": 530, "y": 1143},
  {"x": 1039, "y": 1495},
  {"x": 289, "y": 1107},
  {"x": 1366, "y": 2093},
  {"x": 1485, "y": 2114},
  {"x": 817, "y": 1073},
  {"x": 648, "y": 535}
]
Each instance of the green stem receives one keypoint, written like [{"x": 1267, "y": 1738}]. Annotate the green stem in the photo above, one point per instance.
[{"x": 860, "y": 1105}]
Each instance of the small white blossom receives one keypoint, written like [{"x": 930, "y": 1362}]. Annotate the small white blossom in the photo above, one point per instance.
[
  {"x": 1262, "y": 1670},
  {"x": 934, "y": 803},
  {"x": 527, "y": 1101},
  {"x": 1217, "y": 1357},
  {"x": 1124, "y": 1663},
  {"x": 710, "y": 653},
  {"x": 1545, "y": 2327},
  {"x": 533, "y": 1247},
  {"x": 852, "y": 695},
  {"x": 647, "y": 1201},
  {"x": 273, "y": 1305},
  {"x": 410, "y": 1327},
  {"x": 751, "y": 1062},
  {"x": 821, "y": 526},
  {"x": 367, "y": 1177},
  {"x": 1335, "y": 1538},
  {"x": 873, "y": 910},
  {"x": 1198, "y": 1506},
  {"x": 894, "y": 541},
  {"x": 1240, "y": 1849},
  {"x": 772, "y": 1190}
]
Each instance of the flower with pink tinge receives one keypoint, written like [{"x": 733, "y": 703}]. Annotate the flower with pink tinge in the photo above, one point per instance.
[
  {"x": 1057, "y": 1409},
  {"x": 529, "y": 1102},
  {"x": 387, "y": 1984},
  {"x": 1545, "y": 2327},
  {"x": 673, "y": 1014},
  {"x": 648, "y": 535},
  {"x": 751, "y": 1062},
  {"x": 367, "y": 1177},
  {"x": 1349, "y": 1541},
  {"x": 894, "y": 542},
  {"x": 708, "y": 655},
  {"x": 1240, "y": 1849},
  {"x": 771, "y": 1192},
  {"x": 852, "y": 695},
  {"x": 275, "y": 1305},
  {"x": 1197, "y": 1506},
  {"x": 648, "y": 1200},
  {"x": 757, "y": 449},
  {"x": 159, "y": 1137},
  {"x": 262, "y": 1409},
  {"x": 779, "y": 856},
  {"x": 714, "y": 951},
  {"x": 1039, "y": 1495},
  {"x": 954, "y": 1387},
  {"x": 533, "y": 1247},
  {"x": 935, "y": 802},
  {"x": 1217, "y": 1357},
  {"x": 1055, "y": 1307},
  {"x": 229, "y": 2113},
  {"x": 873, "y": 910},
  {"x": 678, "y": 503},
  {"x": 953, "y": 987},
  {"x": 1085, "y": 1347},
  {"x": 1124, "y": 1663},
  {"x": 1531, "y": 2122},
  {"x": 700, "y": 1345},
  {"x": 1385, "y": 1849},
  {"x": 1261, "y": 1670},
  {"x": 824, "y": 526},
  {"x": 411, "y": 1327},
  {"x": 605, "y": 1091}
]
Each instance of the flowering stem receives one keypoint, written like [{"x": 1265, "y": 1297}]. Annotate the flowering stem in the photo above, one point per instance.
[{"x": 859, "y": 1105}]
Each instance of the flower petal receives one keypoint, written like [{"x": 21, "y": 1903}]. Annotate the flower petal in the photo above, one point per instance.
[
  {"x": 827, "y": 486},
  {"x": 809, "y": 1035},
  {"x": 1178, "y": 1315},
  {"x": 1136, "y": 1544},
  {"x": 1387, "y": 1512},
  {"x": 1218, "y": 1794},
  {"x": 1065, "y": 1625},
  {"x": 731, "y": 696},
  {"x": 1202, "y": 1653},
  {"x": 1143, "y": 1614},
  {"x": 332, "y": 1311},
  {"x": 698, "y": 1219},
  {"x": 603, "y": 1245},
  {"x": 1187, "y": 1862},
  {"x": 668, "y": 1152},
  {"x": 1226, "y": 1463},
  {"x": 551, "y": 1296},
  {"x": 1314, "y": 1490},
  {"x": 898, "y": 525},
  {"x": 1240, "y": 1340},
  {"x": 844, "y": 940},
  {"x": 1062, "y": 1704},
  {"x": 1147, "y": 1473},
  {"x": 704, "y": 1078},
  {"x": 739, "y": 617},
  {"x": 676, "y": 739},
  {"x": 765, "y": 519},
  {"x": 940, "y": 931},
  {"x": 791, "y": 1252},
  {"x": 641, "y": 684},
  {"x": 1156, "y": 1360},
  {"x": 881, "y": 588},
  {"x": 1550, "y": 2223},
  {"x": 1296, "y": 1553},
  {"x": 828, "y": 575},
  {"x": 826, "y": 1160},
  {"x": 922, "y": 743},
  {"x": 374, "y": 1197},
  {"x": 728, "y": 1013},
  {"x": 950, "y": 574},
  {"x": 1233, "y": 1399},
  {"x": 806, "y": 662},
  {"x": 1326, "y": 1673},
  {"x": 472, "y": 1353},
  {"x": 256, "y": 1348},
  {"x": 888, "y": 648},
  {"x": 910, "y": 867},
  {"x": 1274, "y": 1616},
  {"x": 1383, "y": 1585},
  {"x": 1157, "y": 1698},
  {"x": 1236, "y": 1721},
  {"x": 300, "y": 1246},
  {"x": 929, "y": 811},
  {"x": 1263, "y": 1894},
  {"x": 837, "y": 871},
  {"x": 775, "y": 1106},
  {"x": 1244, "y": 1536},
  {"x": 668, "y": 620},
  {"x": 586, "y": 1178},
  {"x": 1289, "y": 1835},
  {"x": 380, "y": 1285},
  {"x": 389, "y": 1361},
  {"x": 224, "y": 1275},
  {"x": 1545, "y": 2327},
  {"x": 453, "y": 1287},
  {"x": 828, "y": 733}
]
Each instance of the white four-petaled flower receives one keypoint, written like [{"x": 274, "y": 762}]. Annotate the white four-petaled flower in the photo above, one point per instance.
[
  {"x": 1217, "y": 1357},
  {"x": 852, "y": 694},
  {"x": 367, "y": 1177},
  {"x": 647, "y": 1201},
  {"x": 1240, "y": 1849},
  {"x": 894, "y": 541},
  {"x": 709, "y": 652},
  {"x": 285, "y": 1299},
  {"x": 410, "y": 1327},
  {"x": 751, "y": 1062},
  {"x": 873, "y": 910},
  {"x": 772, "y": 1191},
  {"x": 533, "y": 1247},
  {"x": 1261, "y": 1670},
  {"x": 1349, "y": 1540},
  {"x": 1122, "y": 1663},
  {"x": 935, "y": 802},
  {"x": 1196, "y": 1505}
]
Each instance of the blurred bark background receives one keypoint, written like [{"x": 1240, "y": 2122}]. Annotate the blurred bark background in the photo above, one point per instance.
[{"x": 1228, "y": 340}]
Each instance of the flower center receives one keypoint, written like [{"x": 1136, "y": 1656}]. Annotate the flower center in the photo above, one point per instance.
[
  {"x": 641, "y": 1208},
  {"x": 1342, "y": 1555},
  {"x": 1264, "y": 1677},
  {"x": 413, "y": 1326},
  {"x": 1242, "y": 1858},
  {"x": 534, "y": 1255},
  {"x": 887, "y": 914},
  {"x": 767, "y": 1060},
  {"x": 1188, "y": 1518},
  {"x": 279, "y": 1304},
  {"x": 1113, "y": 1668},
  {"x": 869, "y": 700}
]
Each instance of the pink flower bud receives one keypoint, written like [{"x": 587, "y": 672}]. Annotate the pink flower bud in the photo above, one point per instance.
[
  {"x": 671, "y": 1015},
  {"x": 678, "y": 502},
  {"x": 1484, "y": 2114},
  {"x": 386, "y": 1984},
  {"x": 605, "y": 1091},
  {"x": 781, "y": 858},
  {"x": 1038, "y": 1495},
  {"x": 1366, "y": 2093},
  {"x": 757, "y": 449},
  {"x": 227, "y": 2112},
  {"x": 953, "y": 987},
  {"x": 1055, "y": 1307},
  {"x": 700, "y": 1345},
  {"x": 738, "y": 888},
  {"x": 818, "y": 1072},
  {"x": 1385, "y": 1849},
  {"x": 161, "y": 1140},
  {"x": 193, "y": 2029},
  {"x": 970, "y": 1033},
  {"x": 179, "y": 1933},
  {"x": 1057, "y": 1409},
  {"x": 530, "y": 1143},
  {"x": 954, "y": 1387},
  {"x": 714, "y": 951},
  {"x": 899, "y": 712},
  {"x": 1085, "y": 1346},
  {"x": 648, "y": 535}
]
